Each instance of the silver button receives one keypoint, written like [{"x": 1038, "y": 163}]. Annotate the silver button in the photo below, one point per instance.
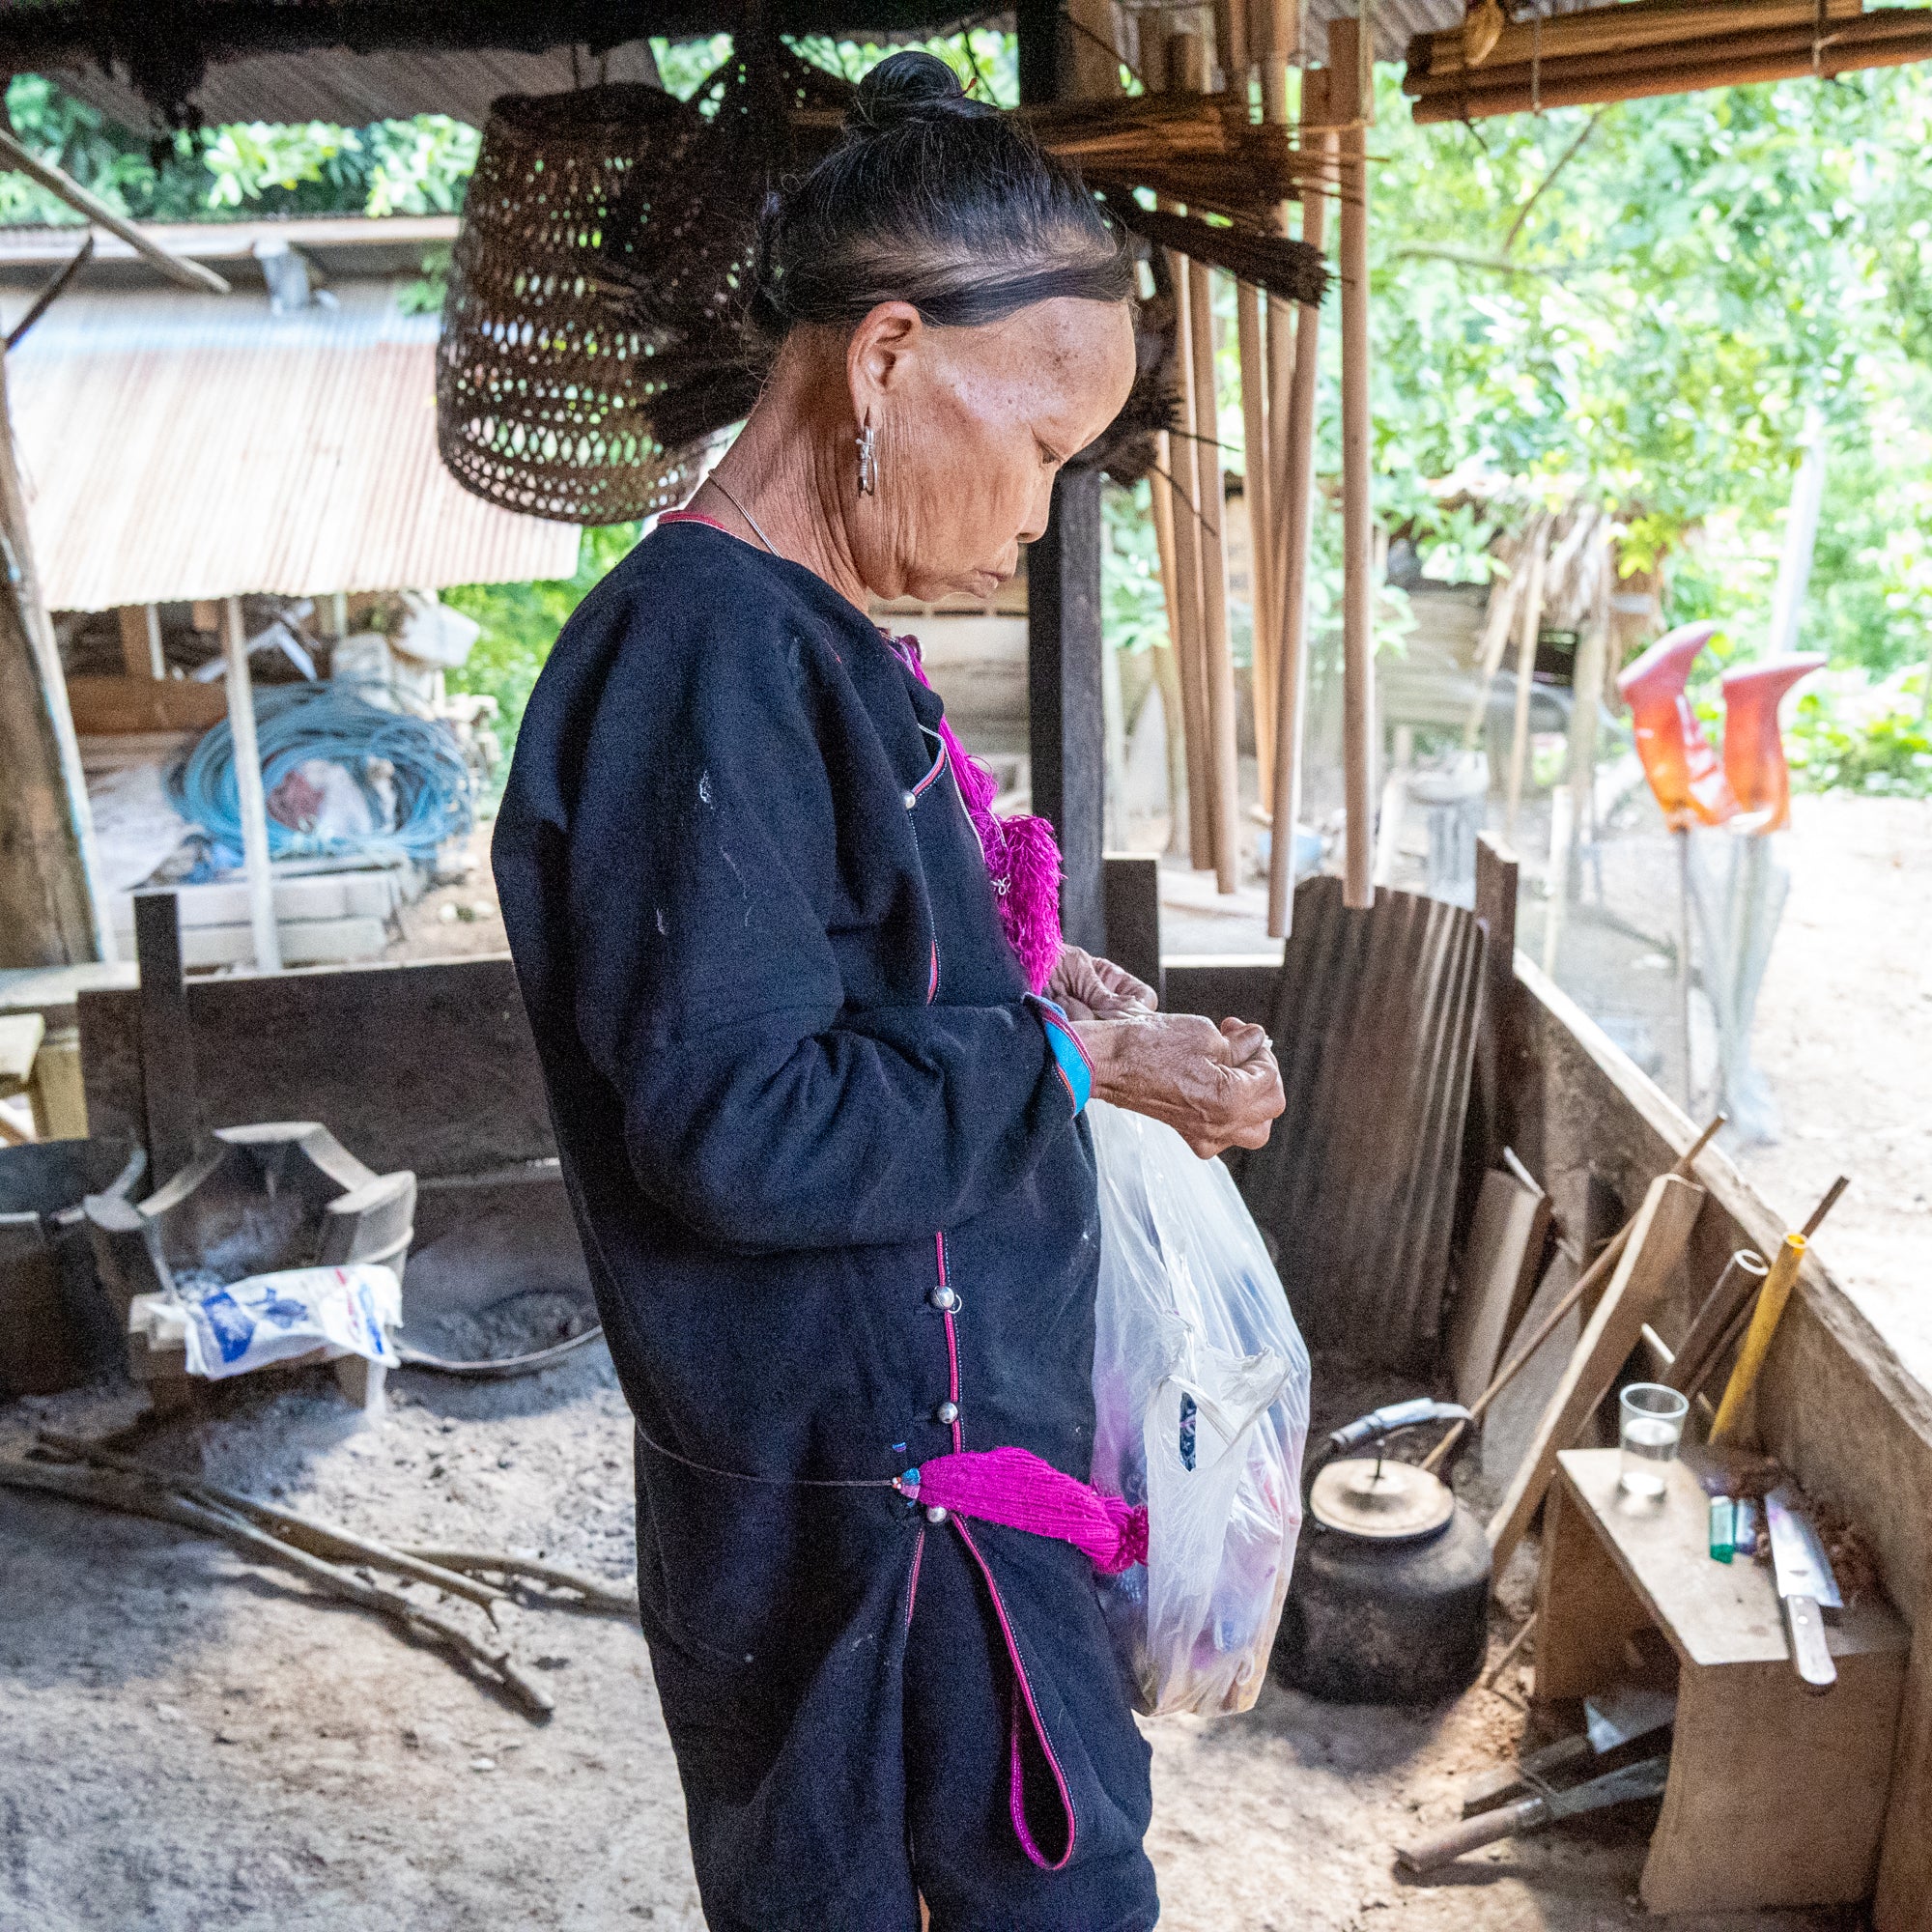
[
  {"x": 936, "y": 1513},
  {"x": 946, "y": 1412},
  {"x": 911, "y": 800},
  {"x": 944, "y": 1299}
]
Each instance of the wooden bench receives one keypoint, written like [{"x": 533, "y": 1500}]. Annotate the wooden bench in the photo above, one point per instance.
[{"x": 1776, "y": 1796}]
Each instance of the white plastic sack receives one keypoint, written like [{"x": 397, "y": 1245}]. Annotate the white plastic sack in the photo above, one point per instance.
[
  {"x": 1201, "y": 1400},
  {"x": 267, "y": 1318}
]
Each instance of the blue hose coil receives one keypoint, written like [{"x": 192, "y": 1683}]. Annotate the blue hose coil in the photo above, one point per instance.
[{"x": 299, "y": 721}]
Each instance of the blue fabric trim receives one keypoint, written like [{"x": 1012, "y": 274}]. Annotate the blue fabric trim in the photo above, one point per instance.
[{"x": 1067, "y": 1053}]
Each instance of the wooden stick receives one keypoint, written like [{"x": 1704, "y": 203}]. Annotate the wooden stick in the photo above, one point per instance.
[
  {"x": 1683, "y": 1168},
  {"x": 1510, "y": 1650},
  {"x": 597, "y": 1595},
  {"x": 136, "y": 1497},
  {"x": 1346, "y": 56},
  {"x": 1656, "y": 1245},
  {"x": 1525, "y": 677},
  {"x": 1223, "y": 757},
  {"x": 319, "y": 1539},
  {"x": 1824, "y": 1206},
  {"x": 1292, "y": 542},
  {"x": 1189, "y": 645},
  {"x": 1257, "y": 500},
  {"x": 176, "y": 268}
]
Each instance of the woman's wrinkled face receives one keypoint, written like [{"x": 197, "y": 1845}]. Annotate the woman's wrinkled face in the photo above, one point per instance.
[{"x": 972, "y": 426}]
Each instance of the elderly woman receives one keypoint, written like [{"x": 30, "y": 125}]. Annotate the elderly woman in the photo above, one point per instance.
[{"x": 823, "y": 1139}]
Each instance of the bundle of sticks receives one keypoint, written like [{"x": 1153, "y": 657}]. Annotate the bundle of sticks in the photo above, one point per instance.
[
  {"x": 333, "y": 1559},
  {"x": 1654, "y": 46}
]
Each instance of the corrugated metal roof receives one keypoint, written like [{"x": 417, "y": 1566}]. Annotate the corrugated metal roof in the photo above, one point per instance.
[
  {"x": 180, "y": 445},
  {"x": 353, "y": 89}
]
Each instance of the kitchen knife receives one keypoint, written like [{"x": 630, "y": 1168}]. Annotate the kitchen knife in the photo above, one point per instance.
[{"x": 1806, "y": 1585}]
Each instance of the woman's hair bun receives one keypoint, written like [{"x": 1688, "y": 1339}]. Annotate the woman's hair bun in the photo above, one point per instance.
[{"x": 911, "y": 85}]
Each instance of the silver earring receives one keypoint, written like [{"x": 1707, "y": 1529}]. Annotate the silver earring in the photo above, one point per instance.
[{"x": 868, "y": 461}]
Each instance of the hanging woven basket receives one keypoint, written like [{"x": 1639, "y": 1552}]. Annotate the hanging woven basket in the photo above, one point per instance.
[{"x": 591, "y": 349}]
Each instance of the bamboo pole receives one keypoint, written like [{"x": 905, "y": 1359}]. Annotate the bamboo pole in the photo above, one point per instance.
[
  {"x": 1167, "y": 663},
  {"x": 1638, "y": 24},
  {"x": 250, "y": 806},
  {"x": 1257, "y": 500},
  {"x": 1189, "y": 643},
  {"x": 1525, "y": 666},
  {"x": 1350, "y": 60},
  {"x": 1223, "y": 766},
  {"x": 1292, "y": 538}
]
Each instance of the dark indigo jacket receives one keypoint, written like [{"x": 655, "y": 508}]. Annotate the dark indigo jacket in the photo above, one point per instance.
[{"x": 798, "y": 1088}]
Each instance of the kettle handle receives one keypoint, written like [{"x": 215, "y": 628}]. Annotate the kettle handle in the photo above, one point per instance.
[{"x": 1379, "y": 1423}]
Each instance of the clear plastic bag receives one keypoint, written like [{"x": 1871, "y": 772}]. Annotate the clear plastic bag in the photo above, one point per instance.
[{"x": 1201, "y": 1400}]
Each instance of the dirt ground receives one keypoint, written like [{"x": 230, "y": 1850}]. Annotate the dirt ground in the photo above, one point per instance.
[{"x": 192, "y": 1743}]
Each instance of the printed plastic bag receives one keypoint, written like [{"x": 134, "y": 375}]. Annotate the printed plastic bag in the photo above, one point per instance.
[
  {"x": 239, "y": 1325},
  {"x": 1201, "y": 1398}
]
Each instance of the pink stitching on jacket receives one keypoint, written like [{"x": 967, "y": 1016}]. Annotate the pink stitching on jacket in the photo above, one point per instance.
[
  {"x": 912, "y": 1589},
  {"x": 1024, "y": 1688}
]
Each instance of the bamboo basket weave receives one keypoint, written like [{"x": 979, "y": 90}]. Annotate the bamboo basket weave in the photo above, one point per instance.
[{"x": 591, "y": 348}]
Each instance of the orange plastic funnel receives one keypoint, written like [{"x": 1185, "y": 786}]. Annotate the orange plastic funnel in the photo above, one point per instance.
[
  {"x": 1678, "y": 760},
  {"x": 1754, "y": 745}
]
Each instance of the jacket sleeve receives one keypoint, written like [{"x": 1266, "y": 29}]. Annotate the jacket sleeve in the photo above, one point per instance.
[{"x": 705, "y": 864}]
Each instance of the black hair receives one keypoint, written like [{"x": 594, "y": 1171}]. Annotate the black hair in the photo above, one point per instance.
[{"x": 935, "y": 200}]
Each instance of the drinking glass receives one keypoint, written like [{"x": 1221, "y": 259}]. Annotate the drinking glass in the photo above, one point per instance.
[{"x": 1651, "y": 1426}]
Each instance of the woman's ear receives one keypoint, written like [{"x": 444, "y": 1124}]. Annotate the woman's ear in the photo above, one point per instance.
[{"x": 880, "y": 355}]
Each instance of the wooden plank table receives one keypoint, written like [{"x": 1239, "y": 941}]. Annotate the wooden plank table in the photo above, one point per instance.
[{"x": 1776, "y": 1797}]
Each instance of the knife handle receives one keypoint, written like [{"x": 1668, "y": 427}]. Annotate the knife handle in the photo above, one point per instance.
[
  {"x": 1438, "y": 1849},
  {"x": 1810, "y": 1656}
]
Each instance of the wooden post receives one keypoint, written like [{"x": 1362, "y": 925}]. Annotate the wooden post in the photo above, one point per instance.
[
  {"x": 1223, "y": 752},
  {"x": 1167, "y": 663},
  {"x": 141, "y": 640},
  {"x": 1349, "y": 63},
  {"x": 1525, "y": 670},
  {"x": 1065, "y": 729},
  {"x": 250, "y": 806},
  {"x": 170, "y": 1099},
  {"x": 1041, "y": 57},
  {"x": 1190, "y": 574},
  {"x": 52, "y": 909},
  {"x": 1258, "y": 499},
  {"x": 1292, "y": 538},
  {"x": 1133, "y": 916}
]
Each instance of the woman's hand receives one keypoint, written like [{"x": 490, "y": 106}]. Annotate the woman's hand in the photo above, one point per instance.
[
  {"x": 1217, "y": 1086},
  {"x": 1097, "y": 989}
]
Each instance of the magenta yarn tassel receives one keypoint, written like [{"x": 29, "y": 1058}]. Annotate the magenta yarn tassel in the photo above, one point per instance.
[
  {"x": 1022, "y": 855},
  {"x": 1014, "y": 1487}
]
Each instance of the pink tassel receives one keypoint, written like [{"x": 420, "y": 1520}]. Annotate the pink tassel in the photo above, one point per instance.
[
  {"x": 1021, "y": 853},
  {"x": 1016, "y": 1488}
]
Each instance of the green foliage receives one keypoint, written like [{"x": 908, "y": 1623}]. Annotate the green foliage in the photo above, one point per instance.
[
  {"x": 1877, "y": 741},
  {"x": 521, "y": 622},
  {"x": 1133, "y": 605}
]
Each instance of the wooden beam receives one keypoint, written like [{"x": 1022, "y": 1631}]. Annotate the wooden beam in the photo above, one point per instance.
[
  {"x": 170, "y": 1099},
  {"x": 1223, "y": 751},
  {"x": 1133, "y": 916},
  {"x": 176, "y": 268},
  {"x": 1065, "y": 730},
  {"x": 1351, "y": 65},
  {"x": 250, "y": 806}
]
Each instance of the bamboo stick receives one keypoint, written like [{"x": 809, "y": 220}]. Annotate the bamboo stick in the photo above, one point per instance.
[
  {"x": 1530, "y": 630},
  {"x": 1291, "y": 539},
  {"x": 1772, "y": 1299},
  {"x": 1637, "y": 24},
  {"x": 1218, "y": 665},
  {"x": 1613, "y": 63},
  {"x": 1189, "y": 573},
  {"x": 1793, "y": 58},
  {"x": 1256, "y": 501},
  {"x": 1348, "y": 59},
  {"x": 597, "y": 1593},
  {"x": 1167, "y": 663}
]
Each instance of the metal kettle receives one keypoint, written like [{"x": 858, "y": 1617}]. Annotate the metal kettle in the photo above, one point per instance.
[{"x": 1390, "y": 1599}]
